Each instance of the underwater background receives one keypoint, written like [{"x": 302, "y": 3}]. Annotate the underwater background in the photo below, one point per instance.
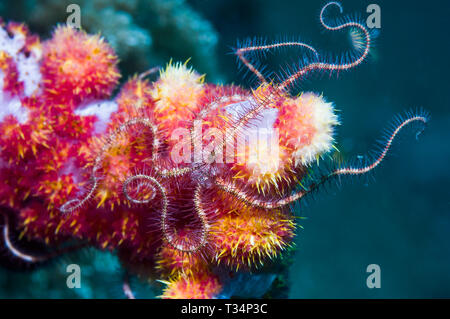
[{"x": 399, "y": 219}]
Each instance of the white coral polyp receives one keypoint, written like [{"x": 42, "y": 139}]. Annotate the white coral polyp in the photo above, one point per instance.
[
  {"x": 28, "y": 72},
  {"x": 323, "y": 120},
  {"x": 11, "y": 45},
  {"x": 262, "y": 155},
  {"x": 12, "y": 106},
  {"x": 101, "y": 109}
]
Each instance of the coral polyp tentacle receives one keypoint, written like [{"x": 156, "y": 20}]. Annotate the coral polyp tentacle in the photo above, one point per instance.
[{"x": 332, "y": 66}]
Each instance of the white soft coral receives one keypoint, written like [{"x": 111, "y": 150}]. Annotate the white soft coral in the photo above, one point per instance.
[{"x": 13, "y": 46}]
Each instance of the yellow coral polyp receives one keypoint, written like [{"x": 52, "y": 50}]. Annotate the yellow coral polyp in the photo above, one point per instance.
[
  {"x": 77, "y": 66},
  {"x": 172, "y": 262},
  {"x": 263, "y": 166},
  {"x": 306, "y": 126},
  {"x": 250, "y": 237},
  {"x": 201, "y": 285},
  {"x": 176, "y": 94}
]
